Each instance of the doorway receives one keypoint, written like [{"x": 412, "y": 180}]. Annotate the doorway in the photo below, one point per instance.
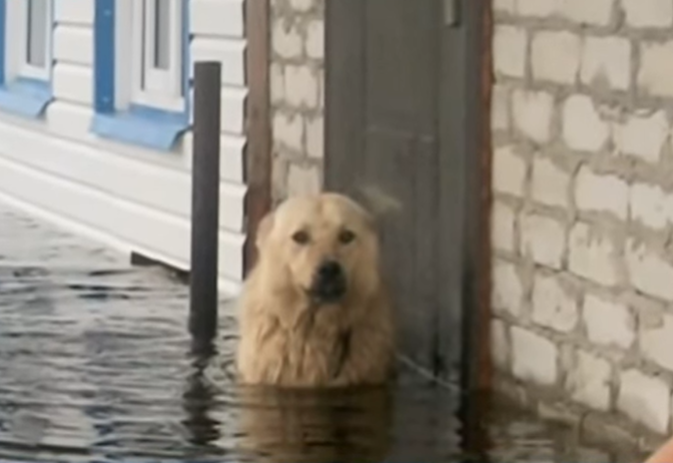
[{"x": 404, "y": 115}]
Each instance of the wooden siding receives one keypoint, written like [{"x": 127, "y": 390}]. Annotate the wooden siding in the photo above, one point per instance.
[{"x": 135, "y": 198}]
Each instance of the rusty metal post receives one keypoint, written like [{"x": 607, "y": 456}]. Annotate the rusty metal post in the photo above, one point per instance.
[{"x": 205, "y": 205}]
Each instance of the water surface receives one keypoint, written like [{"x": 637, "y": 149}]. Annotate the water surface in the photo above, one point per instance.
[{"x": 95, "y": 366}]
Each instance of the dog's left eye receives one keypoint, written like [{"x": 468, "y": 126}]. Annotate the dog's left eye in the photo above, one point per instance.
[
  {"x": 346, "y": 236},
  {"x": 300, "y": 237}
]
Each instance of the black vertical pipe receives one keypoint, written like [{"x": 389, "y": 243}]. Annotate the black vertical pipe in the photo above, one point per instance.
[{"x": 205, "y": 204}]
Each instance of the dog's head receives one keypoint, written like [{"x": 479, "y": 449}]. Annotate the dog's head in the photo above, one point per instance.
[{"x": 324, "y": 246}]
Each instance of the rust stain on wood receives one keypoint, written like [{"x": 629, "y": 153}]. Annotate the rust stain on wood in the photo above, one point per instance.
[{"x": 485, "y": 173}]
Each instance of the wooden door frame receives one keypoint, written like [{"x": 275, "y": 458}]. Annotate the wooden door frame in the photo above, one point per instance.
[
  {"x": 477, "y": 259},
  {"x": 345, "y": 118},
  {"x": 257, "y": 154}
]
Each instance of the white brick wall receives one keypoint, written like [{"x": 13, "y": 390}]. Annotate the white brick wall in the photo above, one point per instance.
[
  {"x": 297, "y": 96},
  {"x": 582, "y": 216}
]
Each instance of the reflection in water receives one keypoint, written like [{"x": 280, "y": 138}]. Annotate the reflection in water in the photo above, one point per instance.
[
  {"x": 95, "y": 365},
  {"x": 198, "y": 400},
  {"x": 315, "y": 427}
]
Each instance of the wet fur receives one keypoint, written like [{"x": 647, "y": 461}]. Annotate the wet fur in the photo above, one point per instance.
[{"x": 286, "y": 340}]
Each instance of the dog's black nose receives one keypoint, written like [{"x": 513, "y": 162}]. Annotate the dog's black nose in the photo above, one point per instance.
[
  {"x": 329, "y": 284},
  {"x": 329, "y": 270}
]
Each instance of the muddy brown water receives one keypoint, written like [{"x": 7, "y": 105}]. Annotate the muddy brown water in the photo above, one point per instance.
[{"x": 95, "y": 367}]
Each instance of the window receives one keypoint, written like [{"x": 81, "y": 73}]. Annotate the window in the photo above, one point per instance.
[
  {"x": 157, "y": 61},
  {"x": 25, "y": 55},
  {"x": 34, "y": 26},
  {"x": 140, "y": 71}
]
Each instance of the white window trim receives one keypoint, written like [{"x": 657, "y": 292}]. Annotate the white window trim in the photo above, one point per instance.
[
  {"x": 17, "y": 52},
  {"x": 163, "y": 89}
]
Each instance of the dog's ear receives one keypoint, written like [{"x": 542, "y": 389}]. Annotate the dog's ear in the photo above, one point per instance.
[
  {"x": 377, "y": 202},
  {"x": 264, "y": 229}
]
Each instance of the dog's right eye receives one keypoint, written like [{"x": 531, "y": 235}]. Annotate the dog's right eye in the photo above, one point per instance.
[{"x": 300, "y": 237}]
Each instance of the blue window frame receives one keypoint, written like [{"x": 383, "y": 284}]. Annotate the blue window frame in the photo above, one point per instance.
[
  {"x": 26, "y": 31},
  {"x": 141, "y": 71}
]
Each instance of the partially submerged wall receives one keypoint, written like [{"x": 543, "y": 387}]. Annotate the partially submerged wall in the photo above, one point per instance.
[
  {"x": 583, "y": 209},
  {"x": 583, "y": 188}
]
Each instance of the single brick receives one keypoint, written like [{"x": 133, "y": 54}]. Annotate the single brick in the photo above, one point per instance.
[
  {"x": 644, "y": 399},
  {"x": 589, "y": 382},
  {"x": 509, "y": 50},
  {"x": 550, "y": 183},
  {"x": 643, "y": 135},
  {"x": 583, "y": 128},
  {"x": 656, "y": 68},
  {"x": 648, "y": 271},
  {"x": 553, "y": 307},
  {"x": 555, "y": 56},
  {"x": 608, "y": 323},
  {"x": 648, "y": 13},
  {"x": 509, "y": 171},
  {"x": 502, "y": 227},
  {"x": 543, "y": 238},
  {"x": 656, "y": 344},
  {"x": 507, "y": 288},
  {"x": 592, "y": 255},
  {"x": 601, "y": 193},
  {"x": 606, "y": 59},
  {"x": 650, "y": 205},
  {"x": 534, "y": 358},
  {"x": 594, "y": 12},
  {"x": 532, "y": 112}
]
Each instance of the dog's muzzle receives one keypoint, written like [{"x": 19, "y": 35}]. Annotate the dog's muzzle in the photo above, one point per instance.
[{"x": 329, "y": 283}]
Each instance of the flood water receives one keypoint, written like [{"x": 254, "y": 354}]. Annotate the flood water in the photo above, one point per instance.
[{"x": 95, "y": 367}]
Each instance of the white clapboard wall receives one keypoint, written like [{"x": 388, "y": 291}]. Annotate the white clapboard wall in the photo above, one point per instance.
[{"x": 132, "y": 198}]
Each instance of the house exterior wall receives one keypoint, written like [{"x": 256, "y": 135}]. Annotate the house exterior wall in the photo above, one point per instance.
[
  {"x": 135, "y": 199},
  {"x": 583, "y": 204},
  {"x": 583, "y": 198},
  {"x": 297, "y": 95}
]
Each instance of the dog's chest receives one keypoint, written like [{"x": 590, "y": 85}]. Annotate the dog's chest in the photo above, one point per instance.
[{"x": 308, "y": 353}]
